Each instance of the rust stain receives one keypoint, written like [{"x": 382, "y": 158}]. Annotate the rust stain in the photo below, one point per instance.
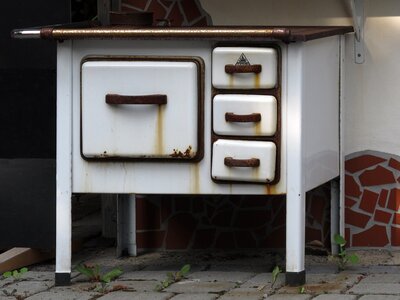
[
  {"x": 186, "y": 154},
  {"x": 195, "y": 179},
  {"x": 159, "y": 142},
  {"x": 257, "y": 128},
  {"x": 257, "y": 80},
  {"x": 231, "y": 85},
  {"x": 270, "y": 189}
]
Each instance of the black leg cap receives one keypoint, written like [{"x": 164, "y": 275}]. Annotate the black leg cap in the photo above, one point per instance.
[
  {"x": 63, "y": 279},
  {"x": 296, "y": 278}
]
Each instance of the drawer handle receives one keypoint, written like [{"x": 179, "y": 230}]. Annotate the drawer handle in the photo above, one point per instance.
[
  {"x": 242, "y": 163},
  {"x": 232, "y": 69},
  {"x": 156, "y": 99},
  {"x": 232, "y": 117}
]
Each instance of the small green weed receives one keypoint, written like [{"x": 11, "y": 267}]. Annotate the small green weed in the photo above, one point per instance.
[
  {"x": 343, "y": 257},
  {"x": 302, "y": 290},
  {"x": 275, "y": 274},
  {"x": 94, "y": 274},
  {"x": 16, "y": 274},
  {"x": 173, "y": 277}
]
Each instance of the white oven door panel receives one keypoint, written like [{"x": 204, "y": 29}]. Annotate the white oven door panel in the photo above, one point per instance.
[
  {"x": 244, "y": 68},
  {"x": 245, "y": 115},
  {"x": 228, "y": 155},
  {"x": 139, "y": 130}
]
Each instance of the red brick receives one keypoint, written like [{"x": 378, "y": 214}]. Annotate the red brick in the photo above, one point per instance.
[
  {"x": 244, "y": 240},
  {"x": 225, "y": 240},
  {"x": 349, "y": 202},
  {"x": 167, "y": 3},
  {"x": 356, "y": 218},
  {"x": 377, "y": 176},
  {"x": 147, "y": 215},
  {"x": 347, "y": 236},
  {"x": 276, "y": 239},
  {"x": 398, "y": 179},
  {"x": 383, "y": 197},
  {"x": 317, "y": 208},
  {"x": 210, "y": 209},
  {"x": 351, "y": 187},
  {"x": 278, "y": 203},
  {"x": 175, "y": 16},
  {"x": 362, "y": 162},
  {"x": 157, "y": 9},
  {"x": 166, "y": 208},
  {"x": 183, "y": 204},
  {"x": 382, "y": 216},
  {"x": 375, "y": 236},
  {"x": 190, "y": 10},
  {"x": 259, "y": 201},
  {"x": 198, "y": 206},
  {"x": 204, "y": 238},
  {"x": 395, "y": 164},
  {"x": 200, "y": 23},
  {"x": 280, "y": 218},
  {"x": 180, "y": 231},
  {"x": 313, "y": 234},
  {"x": 251, "y": 218},
  {"x": 394, "y": 200},
  {"x": 150, "y": 239},
  {"x": 396, "y": 219},
  {"x": 395, "y": 236},
  {"x": 140, "y": 4},
  {"x": 222, "y": 218},
  {"x": 368, "y": 201}
]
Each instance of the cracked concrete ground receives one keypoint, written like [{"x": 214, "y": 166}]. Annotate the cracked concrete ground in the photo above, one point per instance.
[{"x": 214, "y": 275}]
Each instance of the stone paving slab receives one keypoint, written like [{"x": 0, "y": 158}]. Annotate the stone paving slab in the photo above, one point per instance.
[
  {"x": 324, "y": 284},
  {"x": 376, "y": 288},
  {"x": 243, "y": 293},
  {"x": 264, "y": 280},
  {"x": 197, "y": 287},
  {"x": 27, "y": 288},
  {"x": 136, "y": 296},
  {"x": 195, "y": 297},
  {"x": 62, "y": 295},
  {"x": 38, "y": 276},
  {"x": 379, "y": 297},
  {"x": 384, "y": 269},
  {"x": 144, "y": 275},
  {"x": 381, "y": 278},
  {"x": 335, "y": 297},
  {"x": 138, "y": 286},
  {"x": 211, "y": 276},
  {"x": 289, "y": 297}
]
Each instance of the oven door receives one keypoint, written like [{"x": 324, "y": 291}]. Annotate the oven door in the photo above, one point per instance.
[{"x": 142, "y": 108}]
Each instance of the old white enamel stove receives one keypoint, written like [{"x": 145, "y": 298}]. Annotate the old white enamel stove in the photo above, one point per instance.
[{"x": 196, "y": 111}]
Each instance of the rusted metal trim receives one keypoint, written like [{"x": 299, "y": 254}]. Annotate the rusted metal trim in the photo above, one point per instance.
[
  {"x": 213, "y": 33},
  {"x": 233, "y": 69},
  {"x": 232, "y": 117},
  {"x": 241, "y": 163},
  {"x": 46, "y": 33},
  {"x": 141, "y": 99}
]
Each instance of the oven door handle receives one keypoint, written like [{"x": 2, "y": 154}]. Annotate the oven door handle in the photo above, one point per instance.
[
  {"x": 233, "y": 69},
  {"x": 156, "y": 99},
  {"x": 241, "y": 163},
  {"x": 232, "y": 117}
]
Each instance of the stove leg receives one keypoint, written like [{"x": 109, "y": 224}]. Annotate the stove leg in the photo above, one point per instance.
[
  {"x": 126, "y": 225},
  {"x": 64, "y": 163}
]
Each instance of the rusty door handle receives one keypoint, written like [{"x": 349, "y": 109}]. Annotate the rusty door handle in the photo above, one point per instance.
[
  {"x": 156, "y": 99},
  {"x": 241, "y": 163},
  {"x": 232, "y": 69},
  {"x": 232, "y": 117}
]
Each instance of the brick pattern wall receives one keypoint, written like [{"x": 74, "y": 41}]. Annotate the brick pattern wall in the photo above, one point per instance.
[
  {"x": 178, "y": 12},
  {"x": 225, "y": 222},
  {"x": 372, "y": 188}
]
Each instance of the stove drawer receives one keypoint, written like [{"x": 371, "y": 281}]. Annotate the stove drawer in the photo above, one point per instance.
[
  {"x": 245, "y": 115},
  {"x": 244, "y": 68},
  {"x": 142, "y": 108},
  {"x": 249, "y": 161}
]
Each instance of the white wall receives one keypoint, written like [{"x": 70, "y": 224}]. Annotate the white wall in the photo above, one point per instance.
[{"x": 372, "y": 90}]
